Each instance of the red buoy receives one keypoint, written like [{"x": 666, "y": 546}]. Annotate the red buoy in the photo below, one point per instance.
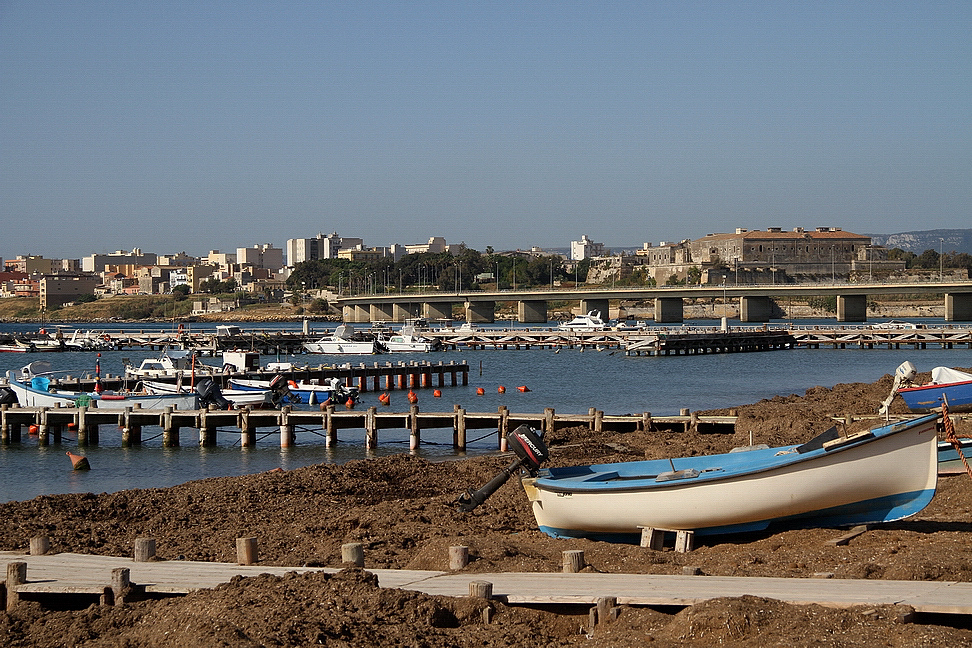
[
  {"x": 523, "y": 388},
  {"x": 412, "y": 398},
  {"x": 78, "y": 462},
  {"x": 480, "y": 391},
  {"x": 33, "y": 429},
  {"x": 501, "y": 389},
  {"x": 437, "y": 393}
]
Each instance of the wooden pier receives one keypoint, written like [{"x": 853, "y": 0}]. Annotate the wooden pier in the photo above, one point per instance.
[
  {"x": 51, "y": 422},
  {"x": 86, "y": 579}
]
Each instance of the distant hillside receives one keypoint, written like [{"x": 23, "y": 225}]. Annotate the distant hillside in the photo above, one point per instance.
[{"x": 956, "y": 240}]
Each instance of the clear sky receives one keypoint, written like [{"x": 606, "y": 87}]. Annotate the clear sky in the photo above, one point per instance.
[{"x": 188, "y": 126}]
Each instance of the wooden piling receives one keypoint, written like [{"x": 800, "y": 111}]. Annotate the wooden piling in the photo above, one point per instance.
[
  {"x": 247, "y": 430},
  {"x": 43, "y": 432},
  {"x": 246, "y": 551},
  {"x": 144, "y": 549},
  {"x": 415, "y": 435},
  {"x": 460, "y": 437},
  {"x": 458, "y": 557},
  {"x": 548, "y": 420},
  {"x": 371, "y": 428},
  {"x": 504, "y": 426},
  {"x": 286, "y": 428},
  {"x": 40, "y": 545},
  {"x": 16, "y": 576},
  {"x": 480, "y": 589},
  {"x": 353, "y": 552},
  {"x": 330, "y": 427},
  {"x": 121, "y": 584},
  {"x": 170, "y": 431},
  {"x": 573, "y": 561}
]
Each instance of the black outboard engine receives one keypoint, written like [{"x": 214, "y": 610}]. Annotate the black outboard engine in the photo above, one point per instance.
[
  {"x": 7, "y": 396},
  {"x": 210, "y": 394},
  {"x": 280, "y": 391},
  {"x": 530, "y": 452}
]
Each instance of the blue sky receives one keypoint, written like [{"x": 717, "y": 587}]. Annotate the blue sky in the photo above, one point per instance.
[{"x": 189, "y": 126}]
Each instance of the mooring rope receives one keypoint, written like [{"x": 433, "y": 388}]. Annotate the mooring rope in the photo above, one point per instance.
[{"x": 952, "y": 438}]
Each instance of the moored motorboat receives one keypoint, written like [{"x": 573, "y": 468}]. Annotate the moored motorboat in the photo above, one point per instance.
[
  {"x": 300, "y": 391},
  {"x": 878, "y": 475},
  {"x": 409, "y": 340},
  {"x": 39, "y": 392},
  {"x": 345, "y": 340},
  {"x": 584, "y": 323},
  {"x": 238, "y": 397}
]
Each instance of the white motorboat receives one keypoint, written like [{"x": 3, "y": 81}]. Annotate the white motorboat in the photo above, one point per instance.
[
  {"x": 584, "y": 323},
  {"x": 39, "y": 392},
  {"x": 238, "y": 397},
  {"x": 344, "y": 340},
  {"x": 409, "y": 339},
  {"x": 171, "y": 363}
]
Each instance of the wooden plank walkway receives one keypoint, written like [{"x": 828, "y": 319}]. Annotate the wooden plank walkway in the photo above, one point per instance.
[{"x": 70, "y": 573}]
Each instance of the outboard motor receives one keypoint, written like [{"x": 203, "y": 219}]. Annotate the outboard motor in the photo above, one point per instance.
[
  {"x": 7, "y": 396},
  {"x": 279, "y": 390},
  {"x": 530, "y": 452},
  {"x": 210, "y": 394},
  {"x": 903, "y": 375}
]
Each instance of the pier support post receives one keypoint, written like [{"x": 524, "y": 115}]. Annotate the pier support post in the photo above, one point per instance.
[
  {"x": 286, "y": 428},
  {"x": 503, "y": 427},
  {"x": 668, "y": 309},
  {"x": 247, "y": 430},
  {"x": 371, "y": 428},
  {"x": 532, "y": 311},
  {"x": 131, "y": 431},
  {"x": 755, "y": 309},
  {"x": 9, "y": 431},
  {"x": 170, "y": 431},
  {"x": 460, "y": 436},
  {"x": 330, "y": 426},
  {"x": 81, "y": 420},
  {"x": 415, "y": 435},
  {"x": 851, "y": 308},
  {"x": 43, "y": 432},
  {"x": 548, "y": 420},
  {"x": 958, "y": 307},
  {"x": 207, "y": 431},
  {"x": 16, "y": 576}
]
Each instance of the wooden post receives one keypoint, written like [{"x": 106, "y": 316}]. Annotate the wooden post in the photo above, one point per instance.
[
  {"x": 548, "y": 420},
  {"x": 16, "y": 575},
  {"x": 82, "y": 423},
  {"x": 329, "y": 424},
  {"x": 121, "y": 583},
  {"x": 646, "y": 421},
  {"x": 207, "y": 431},
  {"x": 371, "y": 428},
  {"x": 573, "y": 561},
  {"x": 458, "y": 557},
  {"x": 40, "y": 545},
  {"x": 246, "y": 551},
  {"x": 460, "y": 443},
  {"x": 353, "y": 552},
  {"x": 607, "y": 609},
  {"x": 598, "y": 421},
  {"x": 170, "y": 431},
  {"x": 504, "y": 426},
  {"x": 480, "y": 589},
  {"x": 415, "y": 438},
  {"x": 684, "y": 541},
  {"x": 144, "y": 549},
  {"x": 43, "y": 438}
]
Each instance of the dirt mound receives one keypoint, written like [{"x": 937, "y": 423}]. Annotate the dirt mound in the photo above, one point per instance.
[{"x": 402, "y": 509}]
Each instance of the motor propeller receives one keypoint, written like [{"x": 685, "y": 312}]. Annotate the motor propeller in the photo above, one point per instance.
[{"x": 530, "y": 451}]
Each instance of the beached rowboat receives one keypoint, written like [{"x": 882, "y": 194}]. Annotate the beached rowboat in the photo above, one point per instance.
[{"x": 879, "y": 475}]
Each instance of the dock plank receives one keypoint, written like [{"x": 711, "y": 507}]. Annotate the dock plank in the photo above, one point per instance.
[{"x": 69, "y": 573}]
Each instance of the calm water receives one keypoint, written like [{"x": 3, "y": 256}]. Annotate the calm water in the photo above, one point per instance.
[{"x": 570, "y": 381}]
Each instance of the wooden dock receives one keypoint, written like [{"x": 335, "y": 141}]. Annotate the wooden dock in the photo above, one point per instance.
[
  {"x": 108, "y": 579},
  {"x": 52, "y": 421}
]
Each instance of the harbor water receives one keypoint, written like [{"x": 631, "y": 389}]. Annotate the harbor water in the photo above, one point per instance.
[{"x": 568, "y": 380}]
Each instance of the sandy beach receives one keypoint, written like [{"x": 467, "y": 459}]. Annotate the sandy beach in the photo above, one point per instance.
[{"x": 402, "y": 510}]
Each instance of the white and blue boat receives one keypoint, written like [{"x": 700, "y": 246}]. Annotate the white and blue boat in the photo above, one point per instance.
[
  {"x": 880, "y": 475},
  {"x": 948, "y": 383},
  {"x": 300, "y": 391}
]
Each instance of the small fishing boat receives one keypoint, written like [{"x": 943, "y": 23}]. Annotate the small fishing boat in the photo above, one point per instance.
[
  {"x": 584, "y": 323},
  {"x": 171, "y": 363},
  {"x": 345, "y": 340},
  {"x": 409, "y": 340},
  {"x": 299, "y": 391},
  {"x": 948, "y": 383},
  {"x": 878, "y": 475},
  {"x": 39, "y": 392}
]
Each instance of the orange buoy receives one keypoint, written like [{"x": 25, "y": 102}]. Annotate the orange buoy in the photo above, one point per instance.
[
  {"x": 349, "y": 403},
  {"x": 501, "y": 389},
  {"x": 384, "y": 399},
  {"x": 78, "y": 462},
  {"x": 72, "y": 426},
  {"x": 523, "y": 388},
  {"x": 33, "y": 429},
  {"x": 437, "y": 393},
  {"x": 412, "y": 398},
  {"x": 480, "y": 391}
]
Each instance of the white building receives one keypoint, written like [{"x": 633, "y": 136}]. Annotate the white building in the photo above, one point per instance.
[
  {"x": 585, "y": 249},
  {"x": 323, "y": 246},
  {"x": 261, "y": 256}
]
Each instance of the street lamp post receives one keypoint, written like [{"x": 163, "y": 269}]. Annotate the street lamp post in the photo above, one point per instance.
[{"x": 941, "y": 260}]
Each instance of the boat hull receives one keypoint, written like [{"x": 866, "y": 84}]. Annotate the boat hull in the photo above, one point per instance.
[
  {"x": 30, "y": 397},
  {"x": 859, "y": 482},
  {"x": 300, "y": 392},
  {"x": 927, "y": 397},
  {"x": 340, "y": 347}
]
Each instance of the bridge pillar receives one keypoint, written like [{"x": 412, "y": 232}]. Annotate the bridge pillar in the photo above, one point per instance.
[
  {"x": 958, "y": 307},
  {"x": 532, "y": 310},
  {"x": 406, "y": 311},
  {"x": 603, "y": 306},
  {"x": 357, "y": 313},
  {"x": 668, "y": 309},
  {"x": 481, "y": 312},
  {"x": 755, "y": 309},
  {"x": 437, "y": 310},
  {"x": 851, "y": 308},
  {"x": 382, "y": 312}
]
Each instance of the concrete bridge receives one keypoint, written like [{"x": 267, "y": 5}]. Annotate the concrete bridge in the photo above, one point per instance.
[{"x": 755, "y": 302}]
